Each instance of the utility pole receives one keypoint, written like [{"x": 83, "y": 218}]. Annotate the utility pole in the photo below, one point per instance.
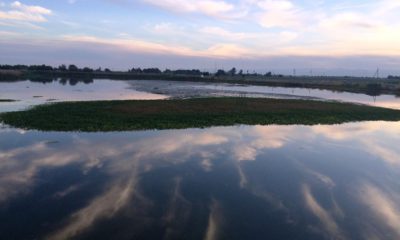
[{"x": 376, "y": 75}]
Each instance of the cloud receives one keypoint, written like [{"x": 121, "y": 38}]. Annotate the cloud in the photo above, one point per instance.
[
  {"x": 228, "y": 50},
  {"x": 345, "y": 20},
  {"x": 217, "y": 9},
  {"x": 387, "y": 154},
  {"x": 386, "y": 7},
  {"x": 383, "y": 206},
  {"x": 279, "y": 13},
  {"x": 265, "y": 137},
  {"x": 327, "y": 220},
  {"x": 26, "y": 13},
  {"x": 378, "y": 146},
  {"x": 103, "y": 206},
  {"x": 276, "y": 5},
  {"x": 219, "y": 50},
  {"x": 221, "y": 32},
  {"x": 215, "y": 220},
  {"x": 8, "y": 34},
  {"x": 245, "y": 153}
]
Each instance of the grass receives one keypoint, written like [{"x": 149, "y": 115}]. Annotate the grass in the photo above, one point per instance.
[{"x": 189, "y": 113}]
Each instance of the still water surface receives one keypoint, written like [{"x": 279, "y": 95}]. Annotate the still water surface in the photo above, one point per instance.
[
  {"x": 240, "y": 182},
  {"x": 28, "y": 93},
  {"x": 192, "y": 89}
]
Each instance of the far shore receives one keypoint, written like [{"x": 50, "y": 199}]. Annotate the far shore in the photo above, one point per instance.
[
  {"x": 370, "y": 86},
  {"x": 7, "y": 100}
]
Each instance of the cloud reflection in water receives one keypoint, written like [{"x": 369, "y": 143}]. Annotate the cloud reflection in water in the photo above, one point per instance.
[{"x": 232, "y": 183}]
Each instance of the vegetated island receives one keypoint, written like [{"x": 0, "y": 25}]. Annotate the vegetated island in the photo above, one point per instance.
[
  {"x": 373, "y": 86},
  {"x": 190, "y": 113},
  {"x": 7, "y": 100}
]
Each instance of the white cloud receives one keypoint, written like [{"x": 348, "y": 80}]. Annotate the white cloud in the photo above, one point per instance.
[
  {"x": 276, "y": 5},
  {"x": 103, "y": 206},
  {"x": 327, "y": 220},
  {"x": 25, "y": 13},
  {"x": 227, "y": 50},
  {"x": 219, "y": 50},
  {"x": 214, "y": 221},
  {"x": 383, "y": 206},
  {"x": 279, "y": 13},
  {"x": 221, "y": 32},
  {"x": 380, "y": 146},
  {"x": 387, "y": 6},
  {"x": 217, "y": 9}
]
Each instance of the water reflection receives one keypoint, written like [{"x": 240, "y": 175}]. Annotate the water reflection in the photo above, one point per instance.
[
  {"x": 372, "y": 97},
  {"x": 195, "y": 89},
  {"x": 35, "y": 92},
  {"x": 39, "y": 91},
  {"x": 275, "y": 182}
]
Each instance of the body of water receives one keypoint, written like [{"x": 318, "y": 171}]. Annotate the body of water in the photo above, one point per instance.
[
  {"x": 195, "y": 89},
  {"x": 28, "y": 93},
  {"x": 239, "y": 182},
  {"x": 387, "y": 101}
]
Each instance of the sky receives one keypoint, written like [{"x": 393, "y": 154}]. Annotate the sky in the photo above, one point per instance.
[{"x": 312, "y": 36}]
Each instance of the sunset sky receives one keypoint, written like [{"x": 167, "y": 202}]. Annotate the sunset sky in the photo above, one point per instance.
[{"x": 327, "y": 37}]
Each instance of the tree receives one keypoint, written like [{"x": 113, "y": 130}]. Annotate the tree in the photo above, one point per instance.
[
  {"x": 73, "y": 68},
  {"x": 40, "y": 68},
  {"x": 87, "y": 70},
  {"x": 152, "y": 71},
  {"x": 220, "y": 72},
  {"x": 136, "y": 70},
  {"x": 268, "y": 74},
  {"x": 232, "y": 72},
  {"x": 107, "y": 70},
  {"x": 62, "y": 68},
  {"x": 393, "y": 77}
]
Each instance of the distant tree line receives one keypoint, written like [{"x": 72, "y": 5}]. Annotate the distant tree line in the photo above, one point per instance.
[
  {"x": 393, "y": 77},
  {"x": 197, "y": 72},
  {"x": 191, "y": 72},
  {"x": 61, "y": 68}
]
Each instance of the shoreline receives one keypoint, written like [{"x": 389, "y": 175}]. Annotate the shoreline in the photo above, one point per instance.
[{"x": 369, "y": 86}]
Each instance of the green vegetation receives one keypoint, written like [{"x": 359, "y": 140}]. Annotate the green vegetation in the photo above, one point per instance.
[
  {"x": 189, "y": 113},
  {"x": 7, "y": 100}
]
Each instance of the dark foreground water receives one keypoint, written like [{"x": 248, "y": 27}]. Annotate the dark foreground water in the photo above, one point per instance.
[{"x": 240, "y": 182}]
